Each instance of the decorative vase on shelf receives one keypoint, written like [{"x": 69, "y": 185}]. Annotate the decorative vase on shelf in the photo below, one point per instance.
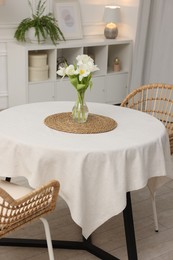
[
  {"x": 80, "y": 76},
  {"x": 80, "y": 110}
]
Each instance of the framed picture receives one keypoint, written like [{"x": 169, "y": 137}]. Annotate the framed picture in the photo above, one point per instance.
[{"x": 67, "y": 13}]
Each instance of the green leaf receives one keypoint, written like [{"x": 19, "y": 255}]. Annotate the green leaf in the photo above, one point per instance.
[
  {"x": 74, "y": 81},
  {"x": 80, "y": 86}
]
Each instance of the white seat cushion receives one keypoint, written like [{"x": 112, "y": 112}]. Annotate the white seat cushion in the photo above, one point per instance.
[{"x": 14, "y": 190}]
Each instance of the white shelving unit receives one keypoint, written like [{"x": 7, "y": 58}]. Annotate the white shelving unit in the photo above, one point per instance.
[{"x": 108, "y": 86}]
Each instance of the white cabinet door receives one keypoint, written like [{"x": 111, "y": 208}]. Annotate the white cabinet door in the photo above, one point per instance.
[
  {"x": 64, "y": 91},
  {"x": 115, "y": 88},
  {"x": 97, "y": 93},
  {"x": 40, "y": 92}
]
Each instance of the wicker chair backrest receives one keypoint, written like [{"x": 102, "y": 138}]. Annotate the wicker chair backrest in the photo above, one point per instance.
[
  {"x": 156, "y": 100},
  {"x": 17, "y": 212}
]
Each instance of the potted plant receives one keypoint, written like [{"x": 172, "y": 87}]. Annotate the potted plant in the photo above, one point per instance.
[{"x": 43, "y": 26}]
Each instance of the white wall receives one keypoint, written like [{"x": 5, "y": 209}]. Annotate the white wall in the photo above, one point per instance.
[
  {"x": 13, "y": 11},
  {"x": 129, "y": 14}
]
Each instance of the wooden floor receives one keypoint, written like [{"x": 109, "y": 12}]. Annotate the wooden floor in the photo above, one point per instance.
[{"x": 110, "y": 236}]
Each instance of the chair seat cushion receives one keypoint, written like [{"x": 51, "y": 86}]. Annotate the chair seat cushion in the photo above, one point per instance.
[{"x": 14, "y": 190}]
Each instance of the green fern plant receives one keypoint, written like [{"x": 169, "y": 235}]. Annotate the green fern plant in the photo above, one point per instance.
[{"x": 45, "y": 25}]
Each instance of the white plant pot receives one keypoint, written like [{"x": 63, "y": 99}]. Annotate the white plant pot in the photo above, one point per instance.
[{"x": 32, "y": 38}]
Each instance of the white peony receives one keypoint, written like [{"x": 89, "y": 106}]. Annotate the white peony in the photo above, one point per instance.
[
  {"x": 70, "y": 70},
  {"x": 83, "y": 71},
  {"x": 80, "y": 74},
  {"x": 61, "y": 72},
  {"x": 88, "y": 61}
]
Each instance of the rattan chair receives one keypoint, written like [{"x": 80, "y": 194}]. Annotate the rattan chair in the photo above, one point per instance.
[
  {"x": 20, "y": 205},
  {"x": 156, "y": 100}
]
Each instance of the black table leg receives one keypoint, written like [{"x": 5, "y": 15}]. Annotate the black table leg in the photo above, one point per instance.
[{"x": 129, "y": 230}]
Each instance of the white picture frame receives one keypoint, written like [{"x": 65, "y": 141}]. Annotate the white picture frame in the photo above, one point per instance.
[{"x": 67, "y": 13}]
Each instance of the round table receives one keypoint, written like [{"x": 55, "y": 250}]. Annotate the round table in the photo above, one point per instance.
[{"x": 95, "y": 170}]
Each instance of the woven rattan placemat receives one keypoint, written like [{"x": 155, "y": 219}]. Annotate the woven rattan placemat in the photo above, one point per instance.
[{"x": 95, "y": 123}]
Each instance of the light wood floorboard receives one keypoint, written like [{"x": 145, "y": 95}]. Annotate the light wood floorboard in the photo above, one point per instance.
[{"x": 110, "y": 236}]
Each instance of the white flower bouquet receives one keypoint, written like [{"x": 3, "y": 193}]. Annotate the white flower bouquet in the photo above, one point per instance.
[{"x": 80, "y": 76}]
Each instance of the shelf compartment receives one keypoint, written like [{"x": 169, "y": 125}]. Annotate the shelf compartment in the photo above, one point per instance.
[
  {"x": 123, "y": 52},
  {"x": 69, "y": 54},
  {"x": 51, "y": 61},
  {"x": 99, "y": 54}
]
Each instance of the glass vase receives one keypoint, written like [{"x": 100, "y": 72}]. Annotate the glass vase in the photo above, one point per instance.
[{"x": 80, "y": 109}]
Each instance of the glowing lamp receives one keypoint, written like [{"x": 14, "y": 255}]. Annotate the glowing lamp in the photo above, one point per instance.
[{"x": 111, "y": 18}]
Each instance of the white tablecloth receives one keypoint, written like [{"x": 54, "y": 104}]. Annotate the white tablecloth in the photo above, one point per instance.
[{"x": 95, "y": 170}]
